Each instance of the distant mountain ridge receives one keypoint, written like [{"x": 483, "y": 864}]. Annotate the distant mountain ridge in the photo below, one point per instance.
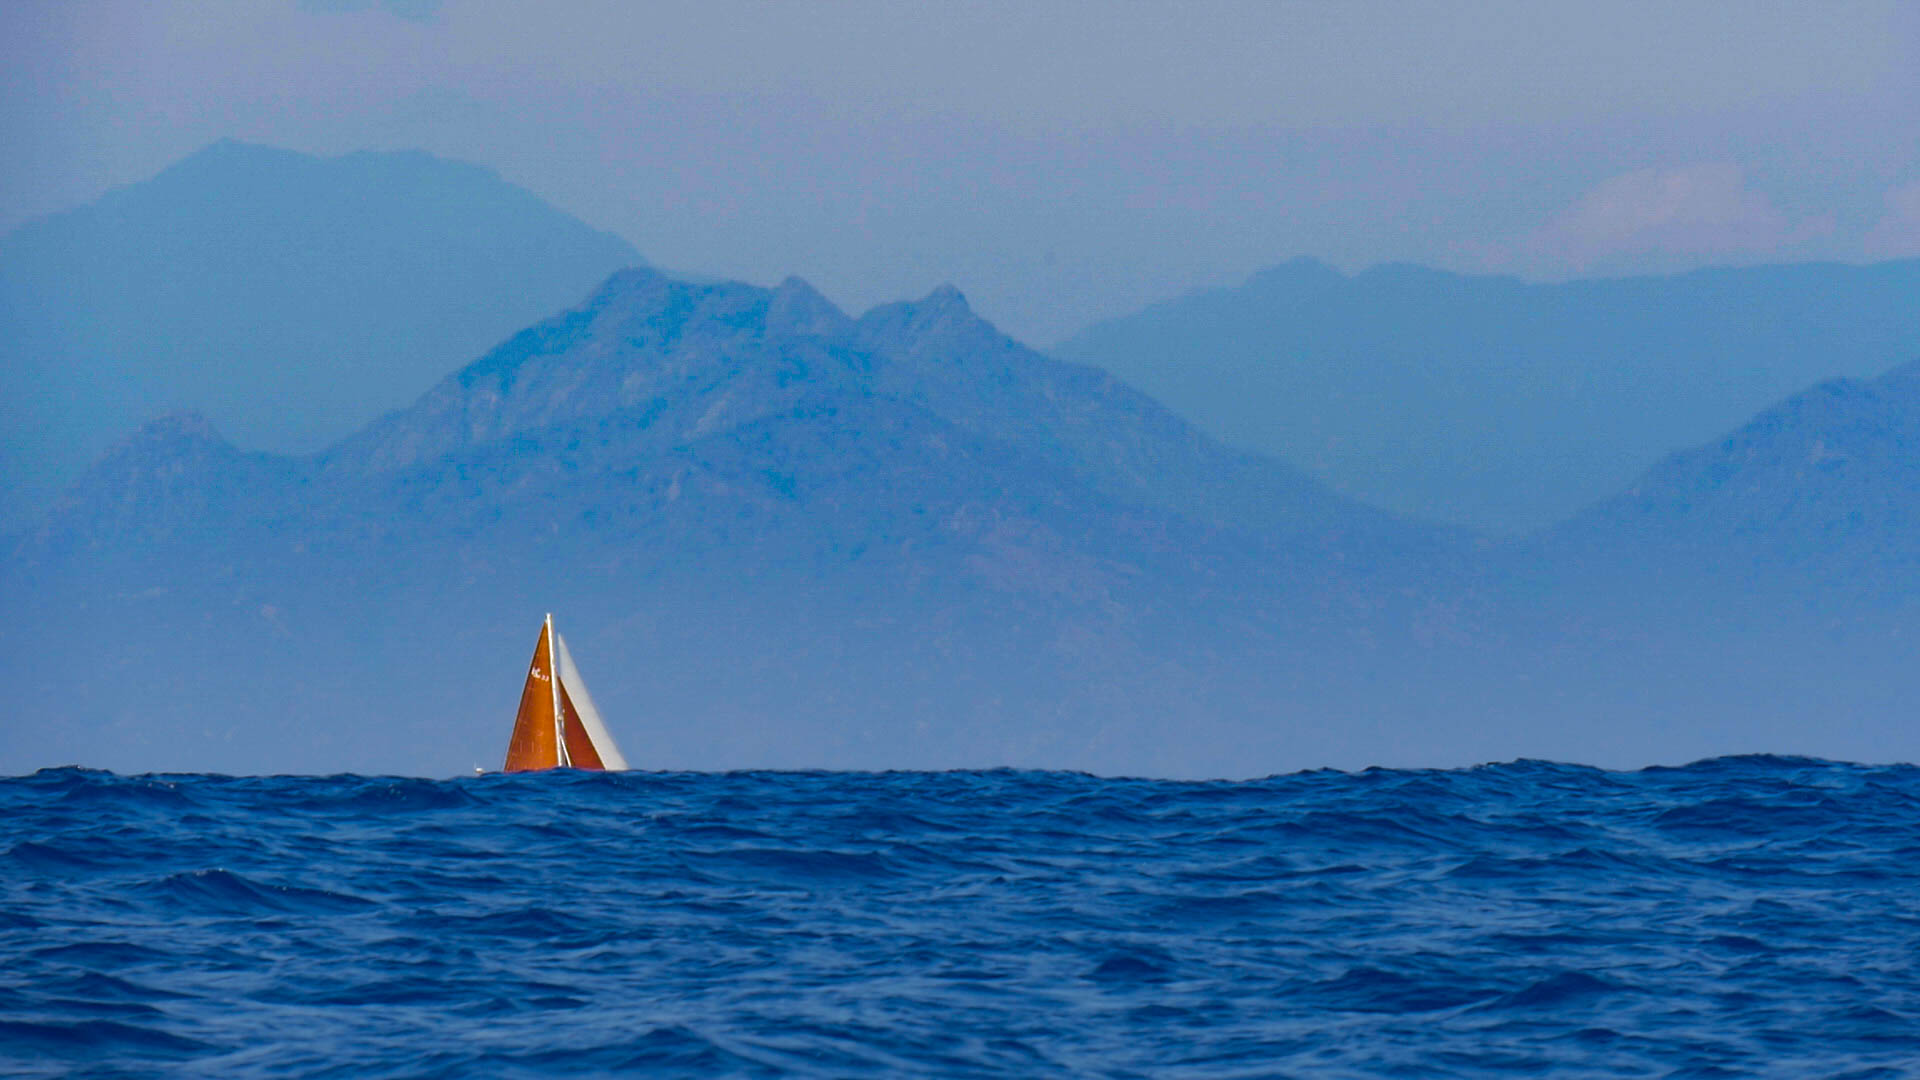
[
  {"x": 651, "y": 343},
  {"x": 1819, "y": 494},
  {"x": 1493, "y": 403},
  {"x": 780, "y": 536},
  {"x": 290, "y": 298},
  {"x": 901, "y": 519}
]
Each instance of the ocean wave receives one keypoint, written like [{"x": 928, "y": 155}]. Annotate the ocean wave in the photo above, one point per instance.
[{"x": 1740, "y": 916}]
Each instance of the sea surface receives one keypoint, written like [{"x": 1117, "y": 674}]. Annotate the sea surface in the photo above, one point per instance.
[{"x": 1737, "y": 917}]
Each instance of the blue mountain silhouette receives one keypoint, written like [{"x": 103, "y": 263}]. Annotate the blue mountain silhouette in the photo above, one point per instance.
[
  {"x": 1493, "y": 403},
  {"x": 290, "y": 298},
  {"x": 898, "y": 539}
]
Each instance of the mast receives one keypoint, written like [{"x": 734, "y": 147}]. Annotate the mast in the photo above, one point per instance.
[{"x": 553, "y": 686}]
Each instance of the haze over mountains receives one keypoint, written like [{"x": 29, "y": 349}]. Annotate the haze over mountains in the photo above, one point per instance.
[
  {"x": 782, "y": 536},
  {"x": 1815, "y": 502},
  {"x": 1493, "y": 403},
  {"x": 290, "y": 298},
  {"x": 811, "y": 540}
]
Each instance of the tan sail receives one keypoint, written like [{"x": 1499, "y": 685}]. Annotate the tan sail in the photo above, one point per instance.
[
  {"x": 580, "y": 751},
  {"x": 535, "y": 743},
  {"x": 558, "y": 725}
]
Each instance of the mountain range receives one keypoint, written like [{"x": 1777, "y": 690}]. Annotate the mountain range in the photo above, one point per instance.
[
  {"x": 782, "y": 536},
  {"x": 1492, "y": 403},
  {"x": 903, "y": 539},
  {"x": 290, "y": 298},
  {"x": 1817, "y": 497}
]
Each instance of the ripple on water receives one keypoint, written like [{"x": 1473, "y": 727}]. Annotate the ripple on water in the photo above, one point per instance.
[{"x": 1738, "y": 917}]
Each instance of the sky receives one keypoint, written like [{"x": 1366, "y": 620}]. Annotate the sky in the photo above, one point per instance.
[{"x": 1060, "y": 162}]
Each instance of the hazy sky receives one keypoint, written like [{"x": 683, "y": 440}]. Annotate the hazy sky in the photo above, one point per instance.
[{"x": 1060, "y": 162}]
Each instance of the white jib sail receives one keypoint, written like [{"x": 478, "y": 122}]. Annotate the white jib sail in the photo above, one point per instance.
[{"x": 603, "y": 743}]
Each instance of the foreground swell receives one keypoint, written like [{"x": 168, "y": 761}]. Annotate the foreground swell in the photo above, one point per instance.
[{"x": 1754, "y": 916}]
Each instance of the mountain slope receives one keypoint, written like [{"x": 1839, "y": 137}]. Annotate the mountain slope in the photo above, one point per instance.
[
  {"x": 1817, "y": 497},
  {"x": 691, "y": 358},
  {"x": 901, "y": 540},
  {"x": 289, "y": 298},
  {"x": 1493, "y": 403}
]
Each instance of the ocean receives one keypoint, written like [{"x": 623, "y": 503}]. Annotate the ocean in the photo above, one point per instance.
[{"x": 1752, "y": 916}]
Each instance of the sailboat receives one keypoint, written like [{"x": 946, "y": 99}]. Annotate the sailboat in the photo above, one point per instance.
[{"x": 557, "y": 726}]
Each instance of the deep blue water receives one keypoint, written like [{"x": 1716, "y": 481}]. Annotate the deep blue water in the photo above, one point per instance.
[{"x": 1751, "y": 916}]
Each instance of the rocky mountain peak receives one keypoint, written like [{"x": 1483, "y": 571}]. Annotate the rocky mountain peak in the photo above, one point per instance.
[
  {"x": 632, "y": 284},
  {"x": 797, "y": 309},
  {"x": 173, "y": 470},
  {"x": 939, "y": 326},
  {"x": 945, "y": 295},
  {"x": 687, "y": 355},
  {"x": 348, "y": 285},
  {"x": 652, "y": 365},
  {"x": 187, "y": 425},
  {"x": 177, "y": 442},
  {"x": 1822, "y": 490}
]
